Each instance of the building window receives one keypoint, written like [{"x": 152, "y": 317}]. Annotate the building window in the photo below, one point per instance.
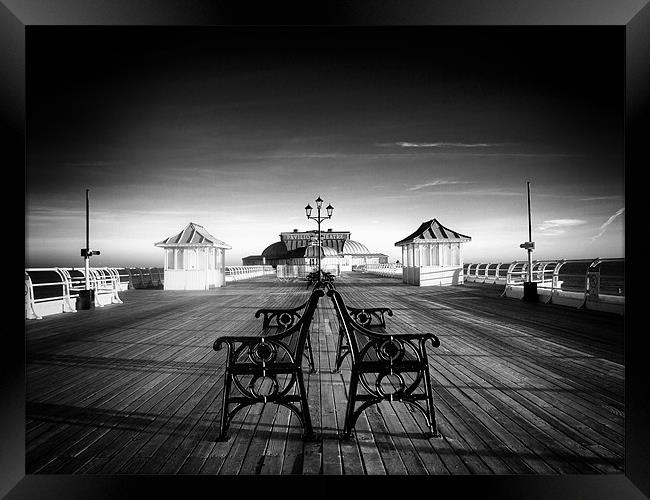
[
  {"x": 455, "y": 254},
  {"x": 170, "y": 258},
  {"x": 179, "y": 258},
  {"x": 190, "y": 262},
  {"x": 200, "y": 259}
]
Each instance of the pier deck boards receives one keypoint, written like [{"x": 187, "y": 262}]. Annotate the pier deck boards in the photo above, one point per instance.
[{"x": 519, "y": 388}]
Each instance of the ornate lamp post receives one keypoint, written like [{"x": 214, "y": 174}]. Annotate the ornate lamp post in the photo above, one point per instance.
[{"x": 319, "y": 219}]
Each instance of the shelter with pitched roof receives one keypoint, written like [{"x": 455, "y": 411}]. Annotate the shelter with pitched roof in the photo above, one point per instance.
[
  {"x": 194, "y": 259},
  {"x": 433, "y": 255}
]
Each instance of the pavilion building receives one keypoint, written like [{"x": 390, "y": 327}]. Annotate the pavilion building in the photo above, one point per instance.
[
  {"x": 301, "y": 248},
  {"x": 433, "y": 255},
  {"x": 194, "y": 259}
]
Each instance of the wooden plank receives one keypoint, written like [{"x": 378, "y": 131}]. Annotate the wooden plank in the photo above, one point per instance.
[
  {"x": 121, "y": 443},
  {"x": 332, "y": 459},
  {"x": 312, "y": 460},
  {"x": 518, "y": 388},
  {"x": 69, "y": 433}
]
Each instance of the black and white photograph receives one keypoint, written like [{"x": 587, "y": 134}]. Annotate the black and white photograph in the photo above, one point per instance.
[{"x": 325, "y": 250}]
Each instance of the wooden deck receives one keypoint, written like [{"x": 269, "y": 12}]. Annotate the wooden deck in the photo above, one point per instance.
[{"x": 135, "y": 388}]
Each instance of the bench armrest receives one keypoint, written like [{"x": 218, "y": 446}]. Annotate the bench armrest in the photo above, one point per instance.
[
  {"x": 230, "y": 340},
  {"x": 284, "y": 317},
  {"x": 365, "y": 315},
  {"x": 379, "y": 335}
]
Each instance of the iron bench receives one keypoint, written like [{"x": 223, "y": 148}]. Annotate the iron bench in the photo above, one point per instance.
[
  {"x": 266, "y": 369},
  {"x": 388, "y": 368}
]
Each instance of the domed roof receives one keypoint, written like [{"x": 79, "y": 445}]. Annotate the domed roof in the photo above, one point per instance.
[
  {"x": 351, "y": 247},
  {"x": 275, "y": 250},
  {"x": 312, "y": 251}
]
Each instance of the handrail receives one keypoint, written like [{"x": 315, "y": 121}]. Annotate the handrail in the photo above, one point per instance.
[
  {"x": 142, "y": 277},
  {"x": 104, "y": 281},
  {"x": 236, "y": 273},
  {"x": 579, "y": 282},
  {"x": 301, "y": 271},
  {"x": 388, "y": 270}
]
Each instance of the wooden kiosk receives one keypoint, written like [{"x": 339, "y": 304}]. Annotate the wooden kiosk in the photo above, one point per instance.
[
  {"x": 194, "y": 259},
  {"x": 433, "y": 255}
]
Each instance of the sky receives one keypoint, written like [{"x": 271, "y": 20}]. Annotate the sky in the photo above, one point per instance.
[{"x": 238, "y": 128}]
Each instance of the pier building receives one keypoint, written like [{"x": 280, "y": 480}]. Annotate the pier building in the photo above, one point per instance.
[
  {"x": 300, "y": 248},
  {"x": 433, "y": 255},
  {"x": 194, "y": 259}
]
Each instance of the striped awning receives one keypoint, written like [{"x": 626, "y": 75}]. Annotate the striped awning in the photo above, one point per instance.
[
  {"x": 193, "y": 235},
  {"x": 433, "y": 231}
]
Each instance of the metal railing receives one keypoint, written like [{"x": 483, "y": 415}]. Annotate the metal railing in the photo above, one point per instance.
[
  {"x": 105, "y": 281},
  {"x": 385, "y": 270},
  {"x": 590, "y": 283},
  {"x": 55, "y": 290},
  {"x": 47, "y": 289},
  {"x": 286, "y": 271},
  {"x": 145, "y": 277},
  {"x": 237, "y": 273}
]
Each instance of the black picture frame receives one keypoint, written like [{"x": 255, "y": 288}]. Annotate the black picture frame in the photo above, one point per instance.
[{"x": 633, "y": 16}]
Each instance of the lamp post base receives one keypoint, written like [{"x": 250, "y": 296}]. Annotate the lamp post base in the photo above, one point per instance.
[
  {"x": 530, "y": 292},
  {"x": 86, "y": 300}
]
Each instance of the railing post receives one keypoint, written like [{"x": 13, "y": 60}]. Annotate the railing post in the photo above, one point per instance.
[{"x": 30, "y": 312}]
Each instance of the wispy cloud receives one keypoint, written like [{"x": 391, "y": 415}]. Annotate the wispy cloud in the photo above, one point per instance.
[
  {"x": 555, "y": 227},
  {"x": 93, "y": 164},
  {"x": 603, "y": 228},
  {"x": 405, "y": 144},
  {"x": 437, "y": 182},
  {"x": 595, "y": 198},
  {"x": 456, "y": 149}
]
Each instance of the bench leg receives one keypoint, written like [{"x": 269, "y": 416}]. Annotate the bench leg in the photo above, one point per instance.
[
  {"x": 306, "y": 417},
  {"x": 339, "y": 354},
  {"x": 310, "y": 355},
  {"x": 223, "y": 421},
  {"x": 433, "y": 427},
  {"x": 352, "y": 399}
]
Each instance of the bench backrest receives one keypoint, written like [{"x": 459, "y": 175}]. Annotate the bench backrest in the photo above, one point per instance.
[
  {"x": 377, "y": 346},
  {"x": 285, "y": 346},
  {"x": 298, "y": 332},
  {"x": 351, "y": 327}
]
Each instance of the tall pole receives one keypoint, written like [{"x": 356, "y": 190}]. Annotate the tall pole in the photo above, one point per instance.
[
  {"x": 530, "y": 238},
  {"x": 87, "y": 257},
  {"x": 320, "y": 248}
]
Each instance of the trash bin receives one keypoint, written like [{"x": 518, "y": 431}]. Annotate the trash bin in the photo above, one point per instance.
[
  {"x": 530, "y": 292},
  {"x": 86, "y": 300}
]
